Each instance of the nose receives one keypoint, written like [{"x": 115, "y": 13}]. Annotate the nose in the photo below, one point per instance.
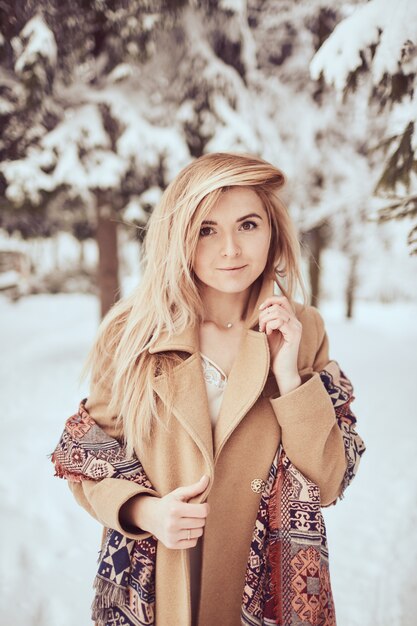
[{"x": 230, "y": 246}]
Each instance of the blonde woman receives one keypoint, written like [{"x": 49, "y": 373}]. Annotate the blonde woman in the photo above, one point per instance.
[{"x": 202, "y": 373}]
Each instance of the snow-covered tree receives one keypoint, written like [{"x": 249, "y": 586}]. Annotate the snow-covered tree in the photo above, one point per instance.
[
  {"x": 100, "y": 147},
  {"x": 379, "y": 39},
  {"x": 141, "y": 88},
  {"x": 320, "y": 146}
]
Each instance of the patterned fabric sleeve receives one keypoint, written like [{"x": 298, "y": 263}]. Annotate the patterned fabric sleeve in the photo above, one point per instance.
[
  {"x": 287, "y": 580},
  {"x": 340, "y": 390},
  {"x": 125, "y": 581},
  {"x": 86, "y": 452}
]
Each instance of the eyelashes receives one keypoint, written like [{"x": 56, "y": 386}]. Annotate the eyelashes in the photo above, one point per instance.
[{"x": 204, "y": 229}]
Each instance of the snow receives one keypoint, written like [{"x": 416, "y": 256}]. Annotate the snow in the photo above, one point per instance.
[
  {"x": 35, "y": 40},
  {"x": 121, "y": 72},
  {"x": 187, "y": 90},
  {"x": 373, "y": 578},
  {"x": 144, "y": 143},
  {"x": 25, "y": 180},
  {"x": 227, "y": 121},
  {"x": 336, "y": 59},
  {"x": 82, "y": 131},
  {"x": 82, "y": 126},
  {"x": 391, "y": 29},
  {"x": 9, "y": 279},
  {"x": 399, "y": 25},
  {"x": 339, "y": 54},
  {"x": 149, "y": 21},
  {"x": 238, "y": 6},
  {"x": 230, "y": 132},
  {"x": 50, "y": 544},
  {"x": 272, "y": 115},
  {"x": 80, "y": 153},
  {"x": 151, "y": 196},
  {"x": 392, "y": 277},
  {"x": 135, "y": 211}
]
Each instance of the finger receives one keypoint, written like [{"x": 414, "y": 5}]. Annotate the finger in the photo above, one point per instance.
[
  {"x": 193, "y": 534},
  {"x": 185, "y": 509},
  {"x": 274, "y": 311},
  {"x": 280, "y": 300},
  {"x": 275, "y": 308},
  {"x": 183, "y": 544},
  {"x": 264, "y": 321},
  {"x": 271, "y": 313},
  {"x": 274, "y": 325},
  {"x": 188, "y": 491},
  {"x": 192, "y": 522}
]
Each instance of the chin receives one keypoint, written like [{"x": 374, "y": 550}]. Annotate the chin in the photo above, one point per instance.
[{"x": 233, "y": 286}]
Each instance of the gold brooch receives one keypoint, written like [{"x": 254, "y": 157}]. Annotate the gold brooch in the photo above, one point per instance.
[{"x": 257, "y": 485}]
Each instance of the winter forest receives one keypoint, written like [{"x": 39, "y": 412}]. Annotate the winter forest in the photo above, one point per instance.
[{"x": 101, "y": 105}]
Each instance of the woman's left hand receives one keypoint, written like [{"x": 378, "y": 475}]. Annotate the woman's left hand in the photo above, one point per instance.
[{"x": 283, "y": 330}]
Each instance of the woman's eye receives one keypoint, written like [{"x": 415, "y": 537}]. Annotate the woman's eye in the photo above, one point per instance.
[
  {"x": 249, "y": 225},
  {"x": 205, "y": 231}
]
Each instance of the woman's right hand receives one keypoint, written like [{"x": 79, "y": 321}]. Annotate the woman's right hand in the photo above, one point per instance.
[{"x": 169, "y": 518}]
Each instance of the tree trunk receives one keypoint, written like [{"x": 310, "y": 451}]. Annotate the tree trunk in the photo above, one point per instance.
[
  {"x": 55, "y": 251},
  {"x": 351, "y": 285},
  {"x": 315, "y": 239},
  {"x": 81, "y": 254},
  {"x": 108, "y": 258}
]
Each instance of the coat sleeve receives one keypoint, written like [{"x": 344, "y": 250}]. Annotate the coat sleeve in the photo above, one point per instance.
[
  {"x": 103, "y": 499},
  {"x": 310, "y": 434}
]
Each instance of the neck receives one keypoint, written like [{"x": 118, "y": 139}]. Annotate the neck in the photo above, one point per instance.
[{"x": 224, "y": 308}]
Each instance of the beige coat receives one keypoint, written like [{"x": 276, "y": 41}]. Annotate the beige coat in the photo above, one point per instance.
[{"x": 253, "y": 419}]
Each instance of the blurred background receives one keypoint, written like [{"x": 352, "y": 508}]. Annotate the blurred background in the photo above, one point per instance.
[{"x": 102, "y": 102}]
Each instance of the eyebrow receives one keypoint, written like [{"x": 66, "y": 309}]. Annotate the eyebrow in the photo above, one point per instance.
[{"x": 241, "y": 219}]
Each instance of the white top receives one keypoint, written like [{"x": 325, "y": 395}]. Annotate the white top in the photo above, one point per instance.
[{"x": 216, "y": 381}]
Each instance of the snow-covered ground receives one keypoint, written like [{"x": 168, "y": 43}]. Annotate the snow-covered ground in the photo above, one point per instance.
[{"x": 49, "y": 545}]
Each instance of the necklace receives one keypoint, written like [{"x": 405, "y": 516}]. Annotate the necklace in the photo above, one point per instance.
[{"x": 224, "y": 325}]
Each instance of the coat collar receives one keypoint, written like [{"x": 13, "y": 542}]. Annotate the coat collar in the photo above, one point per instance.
[{"x": 245, "y": 382}]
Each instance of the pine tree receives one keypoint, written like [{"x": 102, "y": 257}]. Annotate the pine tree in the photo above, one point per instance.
[
  {"x": 378, "y": 41},
  {"x": 136, "y": 90},
  {"x": 70, "y": 127}
]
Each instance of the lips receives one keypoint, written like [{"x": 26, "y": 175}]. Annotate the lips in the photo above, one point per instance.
[{"x": 231, "y": 269}]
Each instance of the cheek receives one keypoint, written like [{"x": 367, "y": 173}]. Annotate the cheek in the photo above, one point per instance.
[
  {"x": 260, "y": 245},
  {"x": 200, "y": 259}
]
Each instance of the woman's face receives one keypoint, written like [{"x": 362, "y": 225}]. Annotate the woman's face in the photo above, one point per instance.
[{"x": 233, "y": 246}]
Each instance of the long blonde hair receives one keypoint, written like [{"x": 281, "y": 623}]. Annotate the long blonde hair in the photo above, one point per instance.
[{"x": 167, "y": 298}]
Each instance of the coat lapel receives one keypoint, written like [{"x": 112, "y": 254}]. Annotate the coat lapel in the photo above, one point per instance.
[
  {"x": 190, "y": 402},
  {"x": 245, "y": 383}
]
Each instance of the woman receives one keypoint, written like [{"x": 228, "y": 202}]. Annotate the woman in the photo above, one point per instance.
[{"x": 202, "y": 373}]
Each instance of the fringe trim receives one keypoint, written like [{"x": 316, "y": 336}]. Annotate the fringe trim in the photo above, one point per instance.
[
  {"x": 107, "y": 595},
  {"x": 62, "y": 472}
]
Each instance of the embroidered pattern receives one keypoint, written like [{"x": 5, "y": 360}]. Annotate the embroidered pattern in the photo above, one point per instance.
[
  {"x": 340, "y": 390},
  {"x": 287, "y": 579},
  {"x": 125, "y": 581}
]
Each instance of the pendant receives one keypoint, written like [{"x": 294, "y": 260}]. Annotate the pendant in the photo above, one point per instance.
[{"x": 229, "y": 325}]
